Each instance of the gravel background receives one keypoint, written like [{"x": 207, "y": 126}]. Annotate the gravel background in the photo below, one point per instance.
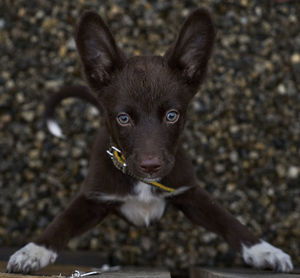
[{"x": 243, "y": 133}]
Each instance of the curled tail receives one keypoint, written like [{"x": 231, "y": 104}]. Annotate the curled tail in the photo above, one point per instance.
[{"x": 74, "y": 91}]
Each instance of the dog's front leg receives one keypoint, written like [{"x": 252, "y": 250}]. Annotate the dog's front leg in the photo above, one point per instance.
[
  {"x": 78, "y": 217},
  {"x": 201, "y": 209}
]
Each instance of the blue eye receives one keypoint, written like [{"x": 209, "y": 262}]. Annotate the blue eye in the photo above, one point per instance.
[
  {"x": 172, "y": 116},
  {"x": 123, "y": 119}
]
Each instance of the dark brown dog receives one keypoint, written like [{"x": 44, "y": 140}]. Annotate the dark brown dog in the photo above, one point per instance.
[{"x": 143, "y": 101}]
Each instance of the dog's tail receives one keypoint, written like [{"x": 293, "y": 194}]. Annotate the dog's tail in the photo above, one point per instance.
[{"x": 73, "y": 91}]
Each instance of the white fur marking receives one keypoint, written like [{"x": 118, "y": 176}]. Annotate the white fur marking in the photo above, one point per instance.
[
  {"x": 143, "y": 192},
  {"x": 118, "y": 198},
  {"x": 265, "y": 255},
  {"x": 31, "y": 257},
  {"x": 141, "y": 207},
  {"x": 108, "y": 197},
  {"x": 54, "y": 128},
  {"x": 144, "y": 206}
]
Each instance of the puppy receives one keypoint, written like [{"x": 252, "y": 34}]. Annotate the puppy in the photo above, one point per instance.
[{"x": 138, "y": 165}]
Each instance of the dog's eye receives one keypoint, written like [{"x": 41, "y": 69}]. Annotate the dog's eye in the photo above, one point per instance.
[
  {"x": 172, "y": 116},
  {"x": 123, "y": 119}
]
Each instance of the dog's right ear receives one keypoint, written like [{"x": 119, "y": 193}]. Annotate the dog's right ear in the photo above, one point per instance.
[{"x": 100, "y": 56}]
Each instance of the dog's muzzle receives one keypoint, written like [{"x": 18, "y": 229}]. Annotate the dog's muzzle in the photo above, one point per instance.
[{"x": 119, "y": 161}]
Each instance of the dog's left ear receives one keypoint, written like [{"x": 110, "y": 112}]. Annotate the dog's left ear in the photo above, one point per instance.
[{"x": 190, "y": 54}]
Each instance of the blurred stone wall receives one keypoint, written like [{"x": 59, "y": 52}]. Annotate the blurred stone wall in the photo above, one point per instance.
[{"x": 243, "y": 133}]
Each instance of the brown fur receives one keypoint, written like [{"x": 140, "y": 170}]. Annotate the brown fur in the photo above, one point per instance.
[{"x": 145, "y": 88}]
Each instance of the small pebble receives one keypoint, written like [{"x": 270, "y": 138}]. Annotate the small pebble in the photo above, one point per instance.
[
  {"x": 295, "y": 58},
  {"x": 293, "y": 172}
]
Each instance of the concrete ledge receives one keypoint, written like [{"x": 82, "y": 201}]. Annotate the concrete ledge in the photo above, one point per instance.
[
  {"x": 63, "y": 271},
  {"x": 199, "y": 272}
]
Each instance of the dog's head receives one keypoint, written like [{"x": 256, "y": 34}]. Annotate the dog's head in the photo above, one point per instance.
[{"x": 145, "y": 98}]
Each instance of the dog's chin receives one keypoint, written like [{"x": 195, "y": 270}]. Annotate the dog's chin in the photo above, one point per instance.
[
  {"x": 151, "y": 179},
  {"x": 146, "y": 178}
]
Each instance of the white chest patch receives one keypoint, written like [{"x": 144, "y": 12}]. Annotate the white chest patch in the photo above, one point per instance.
[{"x": 143, "y": 207}]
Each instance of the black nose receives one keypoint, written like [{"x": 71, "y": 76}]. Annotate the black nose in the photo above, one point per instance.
[{"x": 151, "y": 165}]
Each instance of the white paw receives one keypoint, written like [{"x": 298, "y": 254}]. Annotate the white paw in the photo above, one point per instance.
[
  {"x": 265, "y": 255},
  {"x": 31, "y": 257}
]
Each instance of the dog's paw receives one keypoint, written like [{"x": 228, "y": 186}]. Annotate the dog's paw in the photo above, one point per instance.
[
  {"x": 265, "y": 255},
  {"x": 31, "y": 257}
]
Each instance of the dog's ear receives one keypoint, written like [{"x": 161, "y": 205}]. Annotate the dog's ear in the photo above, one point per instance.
[
  {"x": 192, "y": 49},
  {"x": 100, "y": 56}
]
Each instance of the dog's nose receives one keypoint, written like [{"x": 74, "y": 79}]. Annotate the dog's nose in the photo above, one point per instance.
[{"x": 151, "y": 165}]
